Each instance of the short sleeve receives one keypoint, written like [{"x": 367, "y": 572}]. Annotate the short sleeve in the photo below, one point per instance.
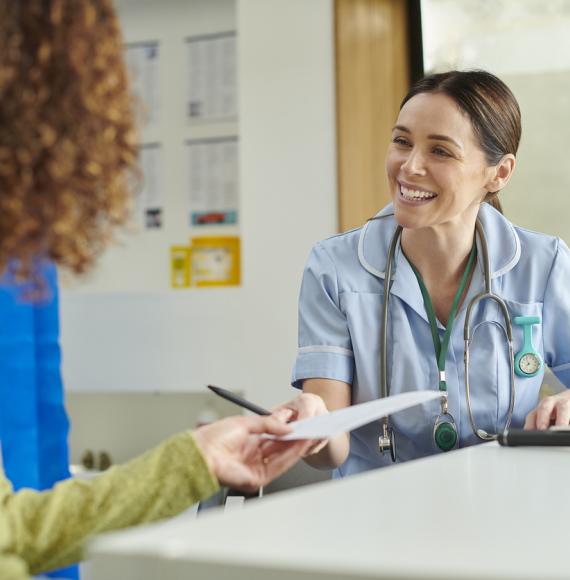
[
  {"x": 556, "y": 316},
  {"x": 325, "y": 348}
]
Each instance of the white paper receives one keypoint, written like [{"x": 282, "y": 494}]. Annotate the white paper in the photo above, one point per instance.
[
  {"x": 149, "y": 202},
  {"x": 213, "y": 180},
  {"x": 343, "y": 420},
  {"x": 212, "y": 77},
  {"x": 143, "y": 63}
]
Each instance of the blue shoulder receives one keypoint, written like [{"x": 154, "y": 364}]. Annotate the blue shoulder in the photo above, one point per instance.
[
  {"x": 342, "y": 246},
  {"x": 537, "y": 247},
  {"x": 538, "y": 254}
]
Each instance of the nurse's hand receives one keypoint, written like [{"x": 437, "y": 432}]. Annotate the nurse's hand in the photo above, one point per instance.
[
  {"x": 303, "y": 406},
  {"x": 240, "y": 458},
  {"x": 553, "y": 410}
]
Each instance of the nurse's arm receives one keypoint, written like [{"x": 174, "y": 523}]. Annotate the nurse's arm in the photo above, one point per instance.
[{"x": 336, "y": 395}]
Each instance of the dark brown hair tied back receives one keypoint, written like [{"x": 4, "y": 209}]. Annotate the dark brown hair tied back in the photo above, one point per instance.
[{"x": 491, "y": 106}]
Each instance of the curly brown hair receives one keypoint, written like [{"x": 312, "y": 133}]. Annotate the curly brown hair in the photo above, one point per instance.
[{"x": 67, "y": 141}]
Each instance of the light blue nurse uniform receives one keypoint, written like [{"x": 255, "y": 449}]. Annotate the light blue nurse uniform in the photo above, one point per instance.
[{"x": 340, "y": 325}]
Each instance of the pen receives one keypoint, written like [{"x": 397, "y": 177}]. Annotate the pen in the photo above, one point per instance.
[
  {"x": 237, "y": 400},
  {"x": 550, "y": 437}
]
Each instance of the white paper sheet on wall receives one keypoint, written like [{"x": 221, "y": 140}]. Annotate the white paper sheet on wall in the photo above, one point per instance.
[
  {"x": 213, "y": 181},
  {"x": 143, "y": 63},
  {"x": 149, "y": 208},
  {"x": 212, "y": 77}
]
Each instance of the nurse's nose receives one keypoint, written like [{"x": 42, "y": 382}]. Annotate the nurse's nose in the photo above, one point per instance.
[{"x": 414, "y": 164}]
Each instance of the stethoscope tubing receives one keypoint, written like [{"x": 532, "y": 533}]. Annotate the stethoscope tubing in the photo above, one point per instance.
[
  {"x": 486, "y": 295},
  {"x": 384, "y": 335}
]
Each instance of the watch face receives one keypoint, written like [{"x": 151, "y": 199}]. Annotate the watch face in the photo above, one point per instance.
[{"x": 529, "y": 363}]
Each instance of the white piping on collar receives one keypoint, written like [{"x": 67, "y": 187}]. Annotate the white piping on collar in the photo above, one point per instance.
[
  {"x": 361, "y": 257},
  {"x": 380, "y": 274},
  {"x": 515, "y": 257}
]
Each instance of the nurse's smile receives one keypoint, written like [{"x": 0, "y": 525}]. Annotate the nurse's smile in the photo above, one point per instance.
[
  {"x": 413, "y": 195},
  {"x": 437, "y": 171}
]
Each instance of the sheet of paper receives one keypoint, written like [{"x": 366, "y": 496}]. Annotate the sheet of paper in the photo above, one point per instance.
[
  {"x": 212, "y": 77},
  {"x": 143, "y": 62},
  {"x": 149, "y": 199},
  {"x": 213, "y": 181},
  {"x": 343, "y": 420}
]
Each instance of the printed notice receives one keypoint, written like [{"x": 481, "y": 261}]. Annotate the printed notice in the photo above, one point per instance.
[
  {"x": 213, "y": 181},
  {"x": 212, "y": 78},
  {"x": 149, "y": 208},
  {"x": 180, "y": 266},
  {"x": 143, "y": 63},
  {"x": 215, "y": 261}
]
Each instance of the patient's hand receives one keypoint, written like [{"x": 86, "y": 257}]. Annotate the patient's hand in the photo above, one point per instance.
[
  {"x": 240, "y": 458},
  {"x": 553, "y": 410}
]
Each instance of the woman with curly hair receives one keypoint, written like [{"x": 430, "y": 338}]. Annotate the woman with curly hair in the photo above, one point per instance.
[{"x": 68, "y": 151}]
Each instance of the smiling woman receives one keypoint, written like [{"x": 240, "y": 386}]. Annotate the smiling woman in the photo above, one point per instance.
[
  {"x": 489, "y": 105},
  {"x": 453, "y": 149}
]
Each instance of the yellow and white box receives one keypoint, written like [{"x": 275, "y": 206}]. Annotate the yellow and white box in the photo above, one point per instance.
[{"x": 215, "y": 261}]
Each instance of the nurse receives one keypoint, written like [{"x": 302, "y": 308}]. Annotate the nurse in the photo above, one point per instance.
[{"x": 452, "y": 151}]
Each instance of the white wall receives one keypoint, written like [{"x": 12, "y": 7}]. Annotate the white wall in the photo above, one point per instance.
[
  {"x": 289, "y": 198},
  {"x": 244, "y": 338}
]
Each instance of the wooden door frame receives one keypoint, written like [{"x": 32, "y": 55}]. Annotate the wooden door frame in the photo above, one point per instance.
[{"x": 378, "y": 53}]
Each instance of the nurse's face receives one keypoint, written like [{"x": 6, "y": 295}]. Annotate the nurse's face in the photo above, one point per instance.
[{"x": 437, "y": 171}]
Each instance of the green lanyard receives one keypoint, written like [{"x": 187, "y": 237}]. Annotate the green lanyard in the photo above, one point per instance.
[{"x": 442, "y": 346}]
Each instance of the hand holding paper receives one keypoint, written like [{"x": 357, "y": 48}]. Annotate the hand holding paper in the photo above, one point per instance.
[{"x": 343, "y": 420}]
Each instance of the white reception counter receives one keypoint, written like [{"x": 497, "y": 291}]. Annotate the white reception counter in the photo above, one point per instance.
[{"x": 482, "y": 512}]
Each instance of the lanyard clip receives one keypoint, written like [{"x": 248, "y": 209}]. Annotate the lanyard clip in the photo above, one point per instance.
[
  {"x": 386, "y": 440},
  {"x": 444, "y": 404}
]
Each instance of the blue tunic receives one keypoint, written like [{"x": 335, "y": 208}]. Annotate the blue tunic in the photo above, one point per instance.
[{"x": 340, "y": 310}]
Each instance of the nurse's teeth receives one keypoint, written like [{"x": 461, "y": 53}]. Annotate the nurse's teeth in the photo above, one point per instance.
[{"x": 416, "y": 194}]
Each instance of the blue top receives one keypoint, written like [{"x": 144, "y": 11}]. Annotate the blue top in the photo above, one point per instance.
[{"x": 340, "y": 311}]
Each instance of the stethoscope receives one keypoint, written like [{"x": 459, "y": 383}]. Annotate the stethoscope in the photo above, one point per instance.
[{"x": 527, "y": 362}]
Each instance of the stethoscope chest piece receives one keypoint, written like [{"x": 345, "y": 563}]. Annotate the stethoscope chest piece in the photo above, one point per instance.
[
  {"x": 445, "y": 432},
  {"x": 387, "y": 441}
]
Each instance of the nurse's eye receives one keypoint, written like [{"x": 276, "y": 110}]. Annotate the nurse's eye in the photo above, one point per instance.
[
  {"x": 401, "y": 141},
  {"x": 440, "y": 152}
]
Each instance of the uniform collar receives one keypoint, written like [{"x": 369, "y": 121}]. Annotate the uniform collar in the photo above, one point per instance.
[{"x": 502, "y": 240}]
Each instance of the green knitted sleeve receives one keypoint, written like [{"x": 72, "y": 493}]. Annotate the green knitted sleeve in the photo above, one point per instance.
[{"x": 49, "y": 529}]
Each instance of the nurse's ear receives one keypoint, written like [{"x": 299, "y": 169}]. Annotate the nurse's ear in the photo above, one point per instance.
[{"x": 500, "y": 174}]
